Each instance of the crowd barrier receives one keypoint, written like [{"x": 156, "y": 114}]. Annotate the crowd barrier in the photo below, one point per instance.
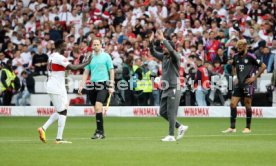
[{"x": 85, "y": 111}]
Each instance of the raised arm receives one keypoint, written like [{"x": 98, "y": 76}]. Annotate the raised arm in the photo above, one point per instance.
[
  {"x": 79, "y": 66},
  {"x": 167, "y": 44},
  {"x": 153, "y": 51}
]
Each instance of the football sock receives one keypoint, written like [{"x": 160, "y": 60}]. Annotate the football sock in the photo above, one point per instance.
[
  {"x": 61, "y": 124},
  {"x": 233, "y": 118},
  {"x": 248, "y": 117},
  {"x": 50, "y": 121},
  {"x": 99, "y": 121}
]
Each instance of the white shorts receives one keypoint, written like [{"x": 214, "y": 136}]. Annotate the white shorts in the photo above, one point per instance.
[{"x": 60, "y": 101}]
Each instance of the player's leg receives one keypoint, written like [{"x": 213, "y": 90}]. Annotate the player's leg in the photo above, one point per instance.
[
  {"x": 248, "y": 93},
  {"x": 247, "y": 103},
  {"x": 61, "y": 105},
  {"x": 49, "y": 122},
  {"x": 181, "y": 128},
  {"x": 233, "y": 110},
  {"x": 163, "y": 111},
  {"x": 172, "y": 107},
  {"x": 101, "y": 98}
]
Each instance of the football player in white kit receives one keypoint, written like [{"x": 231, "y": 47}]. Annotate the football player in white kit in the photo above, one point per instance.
[{"x": 57, "y": 64}]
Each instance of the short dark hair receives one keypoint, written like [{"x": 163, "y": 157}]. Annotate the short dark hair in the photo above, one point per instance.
[
  {"x": 23, "y": 72},
  {"x": 60, "y": 46}
]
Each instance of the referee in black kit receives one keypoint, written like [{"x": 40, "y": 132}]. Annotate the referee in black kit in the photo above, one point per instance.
[
  {"x": 244, "y": 70},
  {"x": 102, "y": 80},
  {"x": 171, "y": 94}
]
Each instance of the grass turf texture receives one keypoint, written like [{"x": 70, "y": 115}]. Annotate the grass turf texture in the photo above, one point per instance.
[{"x": 136, "y": 141}]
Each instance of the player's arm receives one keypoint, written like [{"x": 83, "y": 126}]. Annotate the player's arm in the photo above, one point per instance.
[
  {"x": 83, "y": 81},
  {"x": 79, "y": 66},
  {"x": 112, "y": 83},
  {"x": 153, "y": 51},
  {"x": 262, "y": 68},
  {"x": 110, "y": 68}
]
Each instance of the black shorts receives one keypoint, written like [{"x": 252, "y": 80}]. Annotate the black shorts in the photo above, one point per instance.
[
  {"x": 243, "y": 91},
  {"x": 97, "y": 93}
]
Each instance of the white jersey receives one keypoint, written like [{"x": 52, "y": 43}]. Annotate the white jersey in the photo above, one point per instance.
[{"x": 56, "y": 73}]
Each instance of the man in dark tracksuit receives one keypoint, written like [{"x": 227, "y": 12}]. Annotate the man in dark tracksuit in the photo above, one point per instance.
[{"x": 171, "y": 93}]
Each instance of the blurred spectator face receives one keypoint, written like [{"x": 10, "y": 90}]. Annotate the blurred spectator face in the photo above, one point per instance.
[
  {"x": 211, "y": 35},
  {"x": 74, "y": 12},
  {"x": 64, "y": 8},
  {"x": 138, "y": 62},
  {"x": 197, "y": 24},
  {"x": 274, "y": 44},
  {"x": 39, "y": 49},
  {"x": 179, "y": 24},
  {"x": 119, "y": 13},
  {"x": 220, "y": 52},
  {"x": 216, "y": 64},
  {"x": 187, "y": 44},
  {"x": 97, "y": 46},
  {"x": 152, "y": 2},
  {"x": 25, "y": 48},
  {"x": 200, "y": 47},
  {"x": 52, "y": 2},
  {"x": 49, "y": 46},
  {"x": 17, "y": 54},
  {"x": 2, "y": 56},
  {"x": 266, "y": 50},
  {"x": 182, "y": 16},
  {"x": 64, "y": 2},
  {"x": 193, "y": 50},
  {"x": 198, "y": 62}
]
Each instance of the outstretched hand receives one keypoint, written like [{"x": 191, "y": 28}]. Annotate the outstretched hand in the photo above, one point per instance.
[
  {"x": 151, "y": 37},
  {"x": 160, "y": 35},
  {"x": 87, "y": 59}
]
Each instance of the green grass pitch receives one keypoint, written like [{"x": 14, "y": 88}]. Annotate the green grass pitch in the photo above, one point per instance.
[{"x": 136, "y": 141}]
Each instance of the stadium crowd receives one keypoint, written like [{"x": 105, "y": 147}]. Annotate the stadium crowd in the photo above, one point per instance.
[{"x": 207, "y": 30}]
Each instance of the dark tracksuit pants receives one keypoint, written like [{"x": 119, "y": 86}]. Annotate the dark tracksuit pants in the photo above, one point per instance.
[{"x": 169, "y": 106}]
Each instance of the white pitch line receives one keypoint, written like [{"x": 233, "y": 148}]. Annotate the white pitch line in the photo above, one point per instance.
[{"x": 145, "y": 138}]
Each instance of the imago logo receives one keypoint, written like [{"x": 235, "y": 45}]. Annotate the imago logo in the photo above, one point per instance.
[
  {"x": 45, "y": 111},
  {"x": 5, "y": 111},
  {"x": 196, "y": 112},
  {"x": 89, "y": 111},
  {"x": 145, "y": 112},
  {"x": 256, "y": 112}
]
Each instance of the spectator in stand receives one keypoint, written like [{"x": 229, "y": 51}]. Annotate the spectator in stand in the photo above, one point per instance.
[
  {"x": 26, "y": 56},
  {"x": 202, "y": 83},
  {"x": 221, "y": 57},
  {"x": 9, "y": 83},
  {"x": 27, "y": 88},
  {"x": 39, "y": 62},
  {"x": 267, "y": 58},
  {"x": 127, "y": 75},
  {"x": 211, "y": 47},
  {"x": 218, "y": 68},
  {"x": 18, "y": 62},
  {"x": 3, "y": 59}
]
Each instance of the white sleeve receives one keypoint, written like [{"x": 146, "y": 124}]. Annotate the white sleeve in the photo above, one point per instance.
[{"x": 61, "y": 60}]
